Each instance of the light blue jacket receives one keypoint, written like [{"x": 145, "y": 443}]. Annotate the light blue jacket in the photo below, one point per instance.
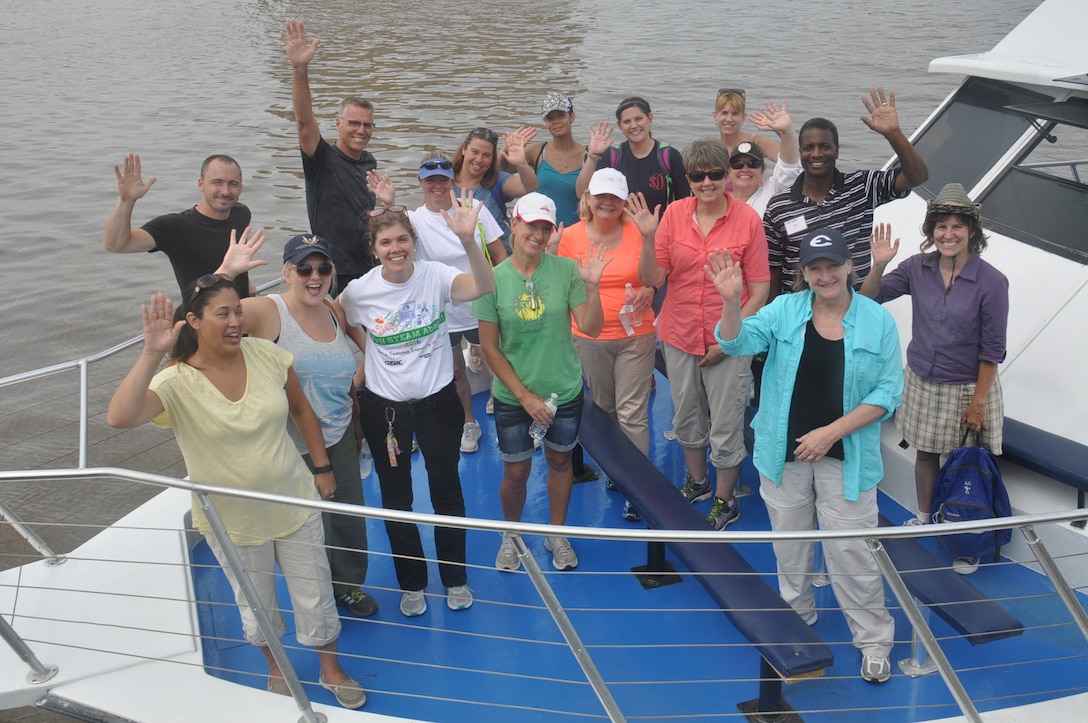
[{"x": 873, "y": 375}]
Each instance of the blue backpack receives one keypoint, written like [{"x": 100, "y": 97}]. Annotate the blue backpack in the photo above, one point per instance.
[{"x": 969, "y": 487}]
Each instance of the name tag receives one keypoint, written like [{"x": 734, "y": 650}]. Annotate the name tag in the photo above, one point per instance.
[{"x": 796, "y": 225}]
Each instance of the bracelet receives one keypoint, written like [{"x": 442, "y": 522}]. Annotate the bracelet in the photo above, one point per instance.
[
  {"x": 593, "y": 156},
  {"x": 323, "y": 469}
]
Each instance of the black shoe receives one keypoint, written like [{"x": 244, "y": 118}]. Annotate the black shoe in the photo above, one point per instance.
[
  {"x": 359, "y": 603},
  {"x": 588, "y": 475},
  {"x": 630, "y": 513}
]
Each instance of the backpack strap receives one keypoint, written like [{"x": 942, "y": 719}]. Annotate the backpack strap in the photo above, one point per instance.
[{"x": 663, "y": 161}]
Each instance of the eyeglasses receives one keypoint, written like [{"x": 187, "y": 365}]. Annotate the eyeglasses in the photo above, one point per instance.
[
  {"x": 715, "y": 174},
  {"x": 355, "y": 125},
  {"x": 730, "y": 91},
  {"x": 435, "y": 165},
  {"x": 741, "y": 163},
  {"x": 324, "y": 268},
  {"x": 532, "y": 294},
  {"x": 376, "y": 212},
  {"x": 206, "y": 283}
]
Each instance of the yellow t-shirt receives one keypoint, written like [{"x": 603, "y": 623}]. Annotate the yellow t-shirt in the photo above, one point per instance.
[{"x": 241, "y": 444}]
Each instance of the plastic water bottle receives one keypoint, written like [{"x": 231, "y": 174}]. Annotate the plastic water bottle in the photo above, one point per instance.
[
  {"x": 628, "y": 318},
  {"x": 366, "y": 461},
  {"x": 536, "y": 430}
]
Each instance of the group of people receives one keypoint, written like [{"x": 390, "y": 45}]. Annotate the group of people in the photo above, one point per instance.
[{"x": 557, "y": 296}]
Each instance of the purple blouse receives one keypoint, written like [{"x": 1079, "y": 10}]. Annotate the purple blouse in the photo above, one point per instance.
[{"x": 952, "y": 331}]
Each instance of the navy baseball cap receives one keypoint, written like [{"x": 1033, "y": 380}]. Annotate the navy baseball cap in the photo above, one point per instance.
[
  {"x": 824, "y": 243},
  {"x": 299, "y": 247}
]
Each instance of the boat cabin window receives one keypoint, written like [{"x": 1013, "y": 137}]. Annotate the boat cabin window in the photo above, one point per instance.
[{"x": 1042, "y": 198}]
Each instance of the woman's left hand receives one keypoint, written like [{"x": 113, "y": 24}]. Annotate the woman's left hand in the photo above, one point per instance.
[
  {"x": 726, "y": 275},
  {"x": 644, "y": 298},
  {"x": 552, "y": 247},
  {"x": 813, "y": 446},
  {"x": 975, "y": 416},
  {"x": 462, "y": 216},
  {"x": 160, "y": 331},
  {"x": 713, "y": 357},
  {"x": 591, "y": 266},
  {"x": 772, "y": 117},
  {"x": 381, "y": 185},
  {"x": 325, "y": 484}
]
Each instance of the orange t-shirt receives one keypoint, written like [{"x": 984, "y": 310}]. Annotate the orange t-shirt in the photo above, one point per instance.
[{"x": 622, "y": 270}]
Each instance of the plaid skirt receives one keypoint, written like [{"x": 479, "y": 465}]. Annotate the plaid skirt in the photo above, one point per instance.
[{"x": 931, "y": 414}]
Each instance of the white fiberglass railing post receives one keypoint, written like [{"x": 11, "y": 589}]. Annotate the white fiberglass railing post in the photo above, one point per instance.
[
  {"x": 1061, "y": 585},
  {"x": 84, "y": 413},
  {"x": 275, "y": 645},
  {"x": 39, "y": 672},
  {"x": 921, "y": 628}
]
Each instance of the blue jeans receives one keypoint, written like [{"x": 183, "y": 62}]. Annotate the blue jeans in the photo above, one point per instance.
[{"x": 512, "y": 425}]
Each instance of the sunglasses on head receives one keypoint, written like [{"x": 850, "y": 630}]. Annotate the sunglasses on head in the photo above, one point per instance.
[
  {"x": 374, "y": 213},
  {"x": 742, "y": 162},
  {"x": 716, "y": 174},
  {"x": 730, "y": 91},
  {"x": 435, "y": 165},
  {"x": 206, "y": 283},
  {"x": 306, "y": 269}
]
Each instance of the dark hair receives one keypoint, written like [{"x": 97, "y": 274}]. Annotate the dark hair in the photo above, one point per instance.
[
  {"x": 976, "y": 242},
  {"x": 630, "y": 102},
  {"x": 196, "y": 296},
  {"x": 821, "y": 124},
  {"x": 218, "y": 157},
  {"x": 488, "y": 136}
]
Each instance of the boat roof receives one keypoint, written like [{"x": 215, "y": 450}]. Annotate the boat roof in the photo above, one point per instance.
[{"x": 1047, "y": 48}]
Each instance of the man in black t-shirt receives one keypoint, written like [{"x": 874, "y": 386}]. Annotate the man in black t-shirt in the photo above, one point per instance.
[
  {"x": 194, "y": 240},
  {"x": 338, "y": 176}
]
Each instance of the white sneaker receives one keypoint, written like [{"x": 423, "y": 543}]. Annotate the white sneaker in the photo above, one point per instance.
[
  {"x": 458, "y": 597},
  {"x": 965, "y": 565},
  {"x": 913, "y": 522},
  {"x": 490, "y": 406},
  {"x": 475, "y": 362},
  {"x": 366, "y": 461},
  {"x": 563, "y": 557},
  {"x": 875, "y": 669},
  {"x": 507, "y": 558},
  {"x": 470, "y": 437},
  {"x": 413, "y": 603}
]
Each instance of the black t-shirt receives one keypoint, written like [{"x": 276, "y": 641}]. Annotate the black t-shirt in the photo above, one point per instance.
[
  {"x": 195, "y": 244},
  {"x": 817, "y": 390},
  {"x": 337, "y": 199},
  {"x": 660, "y": 185}
]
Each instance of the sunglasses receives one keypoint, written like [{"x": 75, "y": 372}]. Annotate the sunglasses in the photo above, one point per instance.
[
  {"x": 698, "y": 176},
  {"x": 324, "y": 268},
  {"x": 376, "y": 212},
  {"x": 741, "y": 163},
  {"x": 206, "y": 283},
  {"x": 532, "y": 294},
  {"x": 484, "y": 134},
  {"x": 435, "y": 165},
  {"x": 730, "y": 91}
]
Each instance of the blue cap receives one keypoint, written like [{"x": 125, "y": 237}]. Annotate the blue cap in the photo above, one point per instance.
[
  {"x": 300, "y": 247},
  {"x": 824, "y": 243},
  {"x": 435, "y": 167}
]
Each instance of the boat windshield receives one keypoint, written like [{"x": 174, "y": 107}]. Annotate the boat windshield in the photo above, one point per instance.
[{"x": 1041, "y": 197}]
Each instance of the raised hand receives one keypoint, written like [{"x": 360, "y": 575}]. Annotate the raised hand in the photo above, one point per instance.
[
  {"x": 381, "y": 185},
  {"x": 881, "y": 245},
  {"x": 513, "y": 150},
  {"x": 130, "y": 184},
  {"x": 462, "y": 216},
  {"x": 299, "y": 52},
  {"x": 591, "y": 266},
  {"x": 639, "y": 213},
  {"x": 771, "y": 117},
  {"x": 552, "y": 247},
  {"x": 240, "y": 252},
  {"x": 726, "y": 275},
  {"x": 884, "y": 118},
  {"x": 600, "y": 137},
  {"x": 160, "y": 331}
]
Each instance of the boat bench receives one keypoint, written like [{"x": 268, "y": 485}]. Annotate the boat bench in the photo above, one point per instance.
[
  {"x": 1056, "y": 457},
  {"x": 947, "y": 593},
  {"x": 786, "y": 643}
]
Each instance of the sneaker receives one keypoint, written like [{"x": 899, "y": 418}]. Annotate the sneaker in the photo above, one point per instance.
[
  {"x": 875, "y": 669},
  {"x": 489, "y": 408},
  {"x": 458, "y": 597},
  {"x": 359, "y": 603},
  {"x": 475, "y": 361},
  {"x": 630, "y": 513},
  {"x": 913, "y": 522},
  {"x": 413, "y": 603},
  {"x": 563, "y": 557},
  {"x": 965, "y": 565},
  {"x": 722, "y": 514},
  {"x": 694, "y": 492},
  {"x": 470, "y": 437},
  {"x": 588, "y": 475},
  {"x": 278, "y": 686},
  {"x": 348, "y": 693},
  {"x": 507, "y": 559},
  {"x": 669, "y": 434},
  {"x": 609, "y": 484}
]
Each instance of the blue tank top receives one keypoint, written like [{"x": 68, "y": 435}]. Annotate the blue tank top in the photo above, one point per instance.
[{"x": 559, "y": 187}]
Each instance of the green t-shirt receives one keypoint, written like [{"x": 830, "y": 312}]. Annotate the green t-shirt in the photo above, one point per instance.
[{"x": 534, "y": 326}]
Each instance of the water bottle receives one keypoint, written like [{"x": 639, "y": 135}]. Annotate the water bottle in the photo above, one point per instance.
[
  {"x": 536, "y": 430},
  {"x": 628, "y": 318}
]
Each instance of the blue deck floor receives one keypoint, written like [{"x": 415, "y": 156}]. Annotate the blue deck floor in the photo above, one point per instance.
[{"x": 665, "y": 652}]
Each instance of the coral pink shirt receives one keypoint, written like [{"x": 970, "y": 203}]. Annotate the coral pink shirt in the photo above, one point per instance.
[
  {"x": 622, "y": 270},
  {"x": 693, "y": 306}
]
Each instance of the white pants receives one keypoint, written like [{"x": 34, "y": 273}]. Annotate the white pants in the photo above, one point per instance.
[
  {"x": 811, "y": 493},
  {"x": 305, "y": 566}
]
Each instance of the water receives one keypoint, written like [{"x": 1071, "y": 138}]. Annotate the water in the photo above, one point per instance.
[{"x": 86, "y": 81}]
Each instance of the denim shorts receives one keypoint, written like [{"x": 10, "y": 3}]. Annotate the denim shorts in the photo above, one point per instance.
[{"x": 512, "y": 425}]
